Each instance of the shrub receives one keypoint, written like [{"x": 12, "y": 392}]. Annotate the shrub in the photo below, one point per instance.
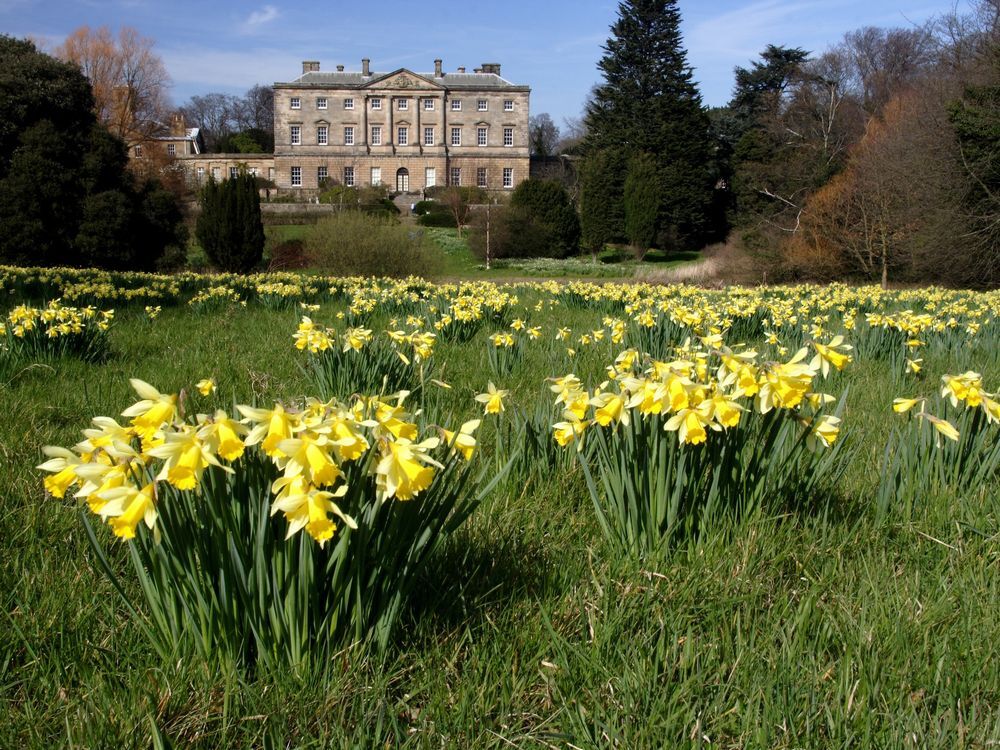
[
  {"x": 437, "y": 218},
  {"x": 353, "y": 243},
  {"x": 513, "y": 234},
  {"x": 547, "y": 204},
  {"x": 288, "y": 255}
]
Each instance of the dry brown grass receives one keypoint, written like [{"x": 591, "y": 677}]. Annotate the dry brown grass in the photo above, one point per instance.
[{"x": 720, "y": 265}]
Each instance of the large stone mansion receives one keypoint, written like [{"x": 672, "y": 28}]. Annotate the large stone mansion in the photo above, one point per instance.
[{"x": 406, "y": 130}]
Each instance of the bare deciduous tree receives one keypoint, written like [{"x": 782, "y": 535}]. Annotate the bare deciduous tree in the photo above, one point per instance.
[
  {"x": 129, "y": 80},
  {"x": 543, "y": 135}
]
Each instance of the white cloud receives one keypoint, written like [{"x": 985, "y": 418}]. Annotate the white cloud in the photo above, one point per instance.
[{"x": 259, "y": 18}]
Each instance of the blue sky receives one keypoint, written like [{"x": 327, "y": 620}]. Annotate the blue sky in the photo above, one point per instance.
[{"x": 553, "y": 46}]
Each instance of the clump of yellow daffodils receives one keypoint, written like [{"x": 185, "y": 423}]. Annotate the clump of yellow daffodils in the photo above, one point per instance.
[
  {"x": 120, "y": 470},
  {"x": 966, "y": 389},
  {"x": 708, "y": 388}
]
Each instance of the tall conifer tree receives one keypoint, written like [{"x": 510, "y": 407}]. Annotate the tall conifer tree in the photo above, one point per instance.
[{"x": 649, "y": 103}]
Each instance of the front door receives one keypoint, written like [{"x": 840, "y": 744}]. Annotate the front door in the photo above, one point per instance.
[{"x": 402, "y": 180}]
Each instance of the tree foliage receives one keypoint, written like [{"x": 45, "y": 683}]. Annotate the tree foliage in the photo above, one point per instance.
[
  {"x": 66, "y": 197},
  {"x": 602, "y": 189},
  {"x": 232, "y": 124},
  {"x": 128, "y": 79},
  {"x": 976, "y": 121},
  {"x": 641, "y": 203},
  {"x": 543, "y": 135},
  {"x": 649, "y": 103},
  {"x": 229, "y": 227}
]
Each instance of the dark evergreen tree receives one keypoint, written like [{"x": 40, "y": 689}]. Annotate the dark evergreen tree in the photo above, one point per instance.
[
  {"x": 758, "y": 89},
  {"x": 976, "y": 120},
  {"x": 649, "y": 103},
  {"x": 547, "y": 203},
  {"x": 229, "y": 227},
  {"x": 601, "y": 197},
  {"x": 66, "y": 195},
  {"x": 642, "y": 198}
]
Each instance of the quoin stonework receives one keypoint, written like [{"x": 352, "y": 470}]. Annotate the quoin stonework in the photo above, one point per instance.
[{"x": 403, "y": 129}]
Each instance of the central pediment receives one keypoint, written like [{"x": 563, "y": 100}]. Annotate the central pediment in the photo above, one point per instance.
[{"x": 402, "y": 79}]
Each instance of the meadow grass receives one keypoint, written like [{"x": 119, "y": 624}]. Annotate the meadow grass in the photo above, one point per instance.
[{"x": 804, "y": 625}]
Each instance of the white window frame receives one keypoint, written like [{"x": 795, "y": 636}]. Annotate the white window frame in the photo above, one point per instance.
[
  {"x": 508, "y": 178},
  {"x": 428, "y": 136},
  {"x": 482, "y": 177},
  {"x": 295, "y": 176},
  {"x": 295, "y": 103},
  {"x": 508, "y": 105},
  {"x": 402, "y": 104},
  {"x": 321, "y": 102},
  {"x": 482, "y": 136},
  {"x": 428, "y": 105},
  {"x": 377, "y": 102},
  {"x": 171, "y": 149},
  {"x": 201, "y": 173},
  {"x": 138, "y": 151},
  {"x": 456, "y": 105},
  {"x": 482, "y": 105},
  {"x": 216, "y": 173},
  {"x": 376, "y": 135},
  {"x": 322, "y": 173},
  {"x": 295, "y": 135},
  {"x": 234, "y": 172},
  {"x": 455, "y": 177},
  {"x": 349, "y": 180},
  {"x": 508, "y": 137},
  {"x": 402, "y": 135},
  {"x": 322, "y": 135},
  {"x": 430, "y": 177},
  {"x": 456, "y": 136},
  {"x": 349, "y": 103},
  {"x": 376, "y": 176},
  {"x": 348, "y": 135}
]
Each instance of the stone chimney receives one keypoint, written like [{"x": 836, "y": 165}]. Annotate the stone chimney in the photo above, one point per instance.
[
  {"x": 310, "y": 66},
  {"x": 365, "y": 70},
  {"x": 461, "y": 68},
  {"x": 477, "y": 70},
  {"x": 437, "y": 68},
  {"x": 491, "y": 68},
  {"x": 340, "y": 68},
  {"x": 177, "y": 124}
]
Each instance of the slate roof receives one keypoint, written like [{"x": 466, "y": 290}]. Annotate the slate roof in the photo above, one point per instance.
[{"x": 448, "y": 80}]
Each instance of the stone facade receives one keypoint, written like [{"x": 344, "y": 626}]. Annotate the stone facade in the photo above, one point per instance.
[
  {"x": 406, "y": 130},
  {"x": 199, "y": 167}
]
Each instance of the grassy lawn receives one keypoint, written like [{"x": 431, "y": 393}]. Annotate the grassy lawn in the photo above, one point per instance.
[
  {"x": 459, "y": 263},
  {"x": 613, "y": 263},
  {"x": 807, "y": 625}
]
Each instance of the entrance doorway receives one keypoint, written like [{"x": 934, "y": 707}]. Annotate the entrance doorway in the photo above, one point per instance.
[{"x": 402, "y": 180}]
